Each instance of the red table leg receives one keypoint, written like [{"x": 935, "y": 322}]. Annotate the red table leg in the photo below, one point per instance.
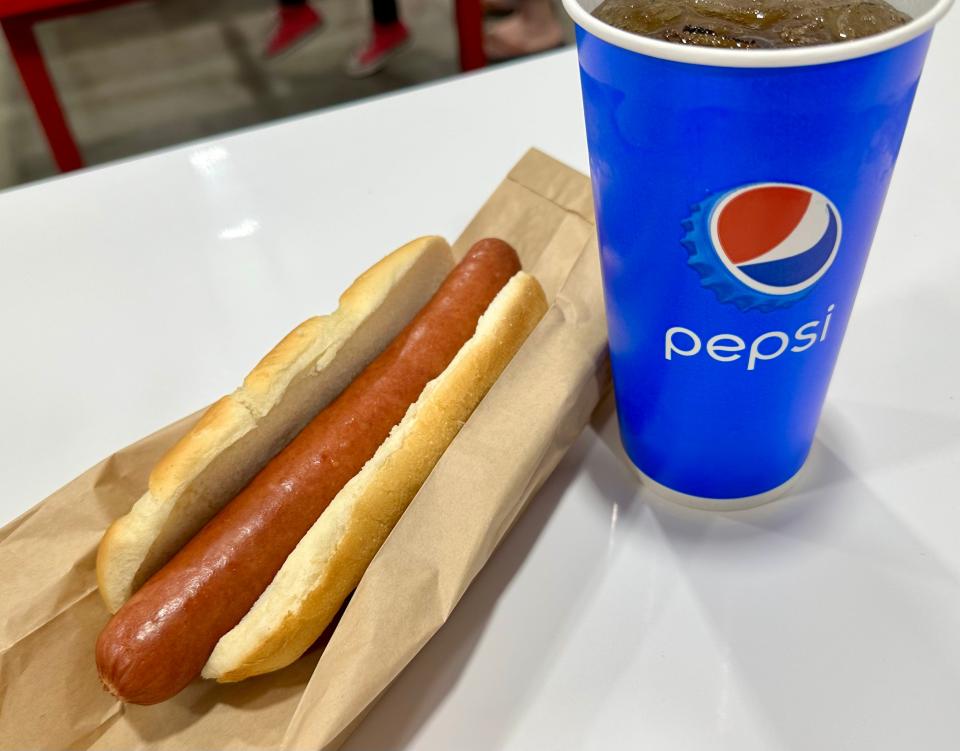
[
  {"x": 36, "y": 80},
  {"x": 470, "y": 31}
]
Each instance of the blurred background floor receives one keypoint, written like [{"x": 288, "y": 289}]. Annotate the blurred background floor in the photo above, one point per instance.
[{"x": 159, "y": 72}]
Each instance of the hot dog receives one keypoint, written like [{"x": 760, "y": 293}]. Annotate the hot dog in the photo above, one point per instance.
[{"x": 164, "y": 635}]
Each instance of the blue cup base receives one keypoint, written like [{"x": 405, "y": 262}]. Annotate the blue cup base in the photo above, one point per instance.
[{"x": 718, "y": 504}]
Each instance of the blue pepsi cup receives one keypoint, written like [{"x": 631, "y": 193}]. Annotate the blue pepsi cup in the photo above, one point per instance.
[{"x": 737, "y": 193}]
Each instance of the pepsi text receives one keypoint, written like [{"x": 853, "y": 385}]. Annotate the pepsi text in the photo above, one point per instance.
[{"x": 684, "y": 342}]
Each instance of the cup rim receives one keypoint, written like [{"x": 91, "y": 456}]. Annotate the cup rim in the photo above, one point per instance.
[{"x": 776, "y": 58}]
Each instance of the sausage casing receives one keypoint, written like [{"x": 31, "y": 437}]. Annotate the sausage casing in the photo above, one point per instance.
[{"x": 161, "y": 638}]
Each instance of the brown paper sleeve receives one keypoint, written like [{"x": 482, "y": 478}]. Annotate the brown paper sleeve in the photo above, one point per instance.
[{"x": 50, "y": 696}]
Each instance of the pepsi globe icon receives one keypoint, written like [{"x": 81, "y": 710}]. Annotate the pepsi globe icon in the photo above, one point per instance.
[{"x": 766, "y": 243}]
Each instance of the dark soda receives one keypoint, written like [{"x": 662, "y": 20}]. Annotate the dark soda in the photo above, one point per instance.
[{"x": 752, "y": 24}]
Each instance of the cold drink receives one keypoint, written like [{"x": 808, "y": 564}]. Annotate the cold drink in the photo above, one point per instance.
[
  {"x": 752, "y": 24},
  {"x": 738, "y": 178}
]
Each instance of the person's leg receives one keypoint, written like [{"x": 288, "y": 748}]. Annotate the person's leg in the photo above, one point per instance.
[
  {"x": 385, "y": 12},
  {"x": 387, "y": 37},
  {"x": 499, "y": 7},
  {"x": 534, "y": 27},
  {"x": 296, "y": 20}
]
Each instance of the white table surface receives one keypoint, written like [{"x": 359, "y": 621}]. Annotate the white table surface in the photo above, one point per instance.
[{"x": 136, "y": 293}]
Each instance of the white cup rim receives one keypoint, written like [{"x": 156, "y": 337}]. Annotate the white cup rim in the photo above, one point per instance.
[{"x": 777, "y": 58}]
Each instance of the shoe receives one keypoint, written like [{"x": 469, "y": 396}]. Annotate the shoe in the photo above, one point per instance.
[
  {"x": 519, "y": 35},
  {"x": 385, "y": 42},
  {"x": 296, "y": 24}
]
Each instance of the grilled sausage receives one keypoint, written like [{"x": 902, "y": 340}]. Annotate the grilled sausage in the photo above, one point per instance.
[{"x": 161, "y": 638}]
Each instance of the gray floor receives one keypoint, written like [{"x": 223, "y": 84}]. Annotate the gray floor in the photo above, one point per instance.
[{"x": 160, "y": 72}]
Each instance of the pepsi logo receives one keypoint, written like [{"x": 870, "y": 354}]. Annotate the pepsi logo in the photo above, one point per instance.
[{"x": 776, "y": 238}]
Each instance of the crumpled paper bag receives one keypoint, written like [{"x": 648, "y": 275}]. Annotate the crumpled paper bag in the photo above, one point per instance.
[{"x": 51, "y": 613}]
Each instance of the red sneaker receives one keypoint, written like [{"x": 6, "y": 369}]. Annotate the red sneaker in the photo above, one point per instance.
[
  {"x": 384, "y": 43},
  {"x": 295, "y": 24}
]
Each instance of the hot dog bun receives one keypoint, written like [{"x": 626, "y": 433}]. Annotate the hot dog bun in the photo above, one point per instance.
[
  {"x": 347, "y": 427},
  {"x": 331, "y": 558},
  {"x": 239, "y": 434}
]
